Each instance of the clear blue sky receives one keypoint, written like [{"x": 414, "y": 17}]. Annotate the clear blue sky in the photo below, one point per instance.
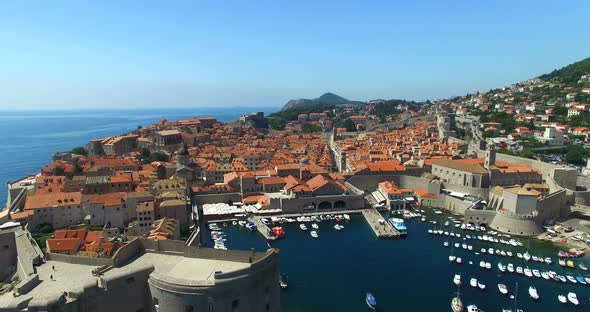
[{"x": 88, "y": 54}]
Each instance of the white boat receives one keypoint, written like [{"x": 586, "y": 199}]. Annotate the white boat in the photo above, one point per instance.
[
  {"x": 571, "y": 297},
  {"x": 346, "y": 217},
  {"x": 509, "y": 253},
  {"x": 457, "y": 279},
  {"x": 481, "y": 285},
  {"x": 510, "y": 267},
  {"x": 469, "y": 247},
  {"x": 501, "y": 267},
  {"x": 472, "y": 308},
  {"x": 502, "y": 288},
  {"x": 562, "y": 299},
  {"x": 536, "y": 273},
  {"x": 519, "y": 270},
  {"x": 459, "y": 260},
  {"x": 338, "y": 227},
  {"x": 314, "y": 234},
  {"x": 491, "y": 251},
  {"x": 303, "y": 227},
  {"x": 526, "y": 256},
  {"x": 562, "y": 262},
  {"x": 464, "y": 246},
  {"x": 315, "y": 226},
  {"x": 473, "y": 282},
  {"x": 488, "y": 266},
  {"x": 446, "y": 244},
  {"x": 528, "y": 272},
  {"x": 533, "y": 293},
  {"x": 572, "y": 279},
  {"x": 457, "y": 245}
]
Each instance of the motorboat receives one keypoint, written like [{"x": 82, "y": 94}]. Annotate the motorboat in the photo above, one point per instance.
[
  {"x": 488, "y": 266},
  {"x": 491, "y": 251},
  {"x": 528, "y": 272},
  {"x": 469, "y": 247},
  {"x": 283, "y": 281},
  {"x": 582, "y": 266},
  {"x": 570, "y": 264},
  {"x": 571, "y": 297},
  {"x": 303, "y": 227},
  {"x": 533, "y": 293},
  {"x": 562, "y": 299},
  {"x": 482, "y": 264},
  {"x": 481, "y": 285},
  {"x": 338, "y": 227},
  {"x": 459, "y": 260},
  {"x": 548, "y": 260},
  {"x": 346, "y": 217},
  {"x": 581, "y": 280},
  {"x": 315, "y": 226},
  {"x": 457, "y": 245},
  {"x": 473, "y": 282},
  {"x": 526, "y": 256},
  {"x": 371, "y": 302},
  {"x": 399, "y": 225},
  {"x": 464, "y": 246},
  {"x": 501, "y": 267},
  {"x": 472, "y": 308},
  {"x": 251, "y": 226},
  {"x": 446, "y": 244},
  {"x": 572, "y": 279},
  {"x": 519, "y": 270},
  {"x": 510, "y": 267},
  {"x": 561, "y": 262},
  {"x": 314, "y": 234},
  {"x": 536, "y": 273},
  {"x": 457, "y": 279},
  {"x": 502, "y": 288},
  {"x": 278, "y": 231}
]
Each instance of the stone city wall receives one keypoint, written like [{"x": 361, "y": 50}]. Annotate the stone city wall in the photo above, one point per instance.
[{"x": 79, "y": 259}]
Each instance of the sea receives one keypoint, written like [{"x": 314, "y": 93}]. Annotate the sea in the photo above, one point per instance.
[
  {"x": 30, "y": 138},
  {"x": 335, "y": 271}
]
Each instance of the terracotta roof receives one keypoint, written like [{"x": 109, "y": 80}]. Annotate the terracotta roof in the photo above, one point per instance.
[
  {"x": 63, "y": 244},
  {"x": 53, "y": 200}
]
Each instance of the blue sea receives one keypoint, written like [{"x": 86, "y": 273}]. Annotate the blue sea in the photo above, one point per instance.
[{"x": 29, "y": 138}]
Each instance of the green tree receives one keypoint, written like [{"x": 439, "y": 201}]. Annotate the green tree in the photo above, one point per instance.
[
  {"x": 309, "y": 128},
  {"x": 349, "y": 125},
  {"x": 80, "y": 150},
  {"x": 528, "y": 153},
  {"x": 575, "y": 154}
]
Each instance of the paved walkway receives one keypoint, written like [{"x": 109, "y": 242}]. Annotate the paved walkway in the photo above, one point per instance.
[{"x": 382, "y": 229}]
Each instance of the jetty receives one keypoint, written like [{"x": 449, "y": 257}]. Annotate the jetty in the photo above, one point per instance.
[
  {"x": 379, "y": 225},
  {"x": 263, "y": 229}
]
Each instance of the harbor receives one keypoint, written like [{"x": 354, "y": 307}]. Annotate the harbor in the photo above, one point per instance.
[
  {"x": 401, "y": 273},
  {"x": 380, "y": 227}
]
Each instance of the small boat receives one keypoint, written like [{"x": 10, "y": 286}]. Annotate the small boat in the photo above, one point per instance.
[
  {"x": 472, "y": 308},
  {"x": 457, "y": 279},
  {"x": 571, "y": 297},
  {"x": 570, "y": 264},
  {"x": 251, "y": 226},
  {"x": 582, "y": 266},
  {"x": 501, "y": 267},
  {"x": 519, "y": 270},
  {"x": 338, "y": 227},
  {"x": 528, "y": 272},
  {"x": 561, "y": 262},
  {"x": 473, "y": 282},
  {"x": 572, "y": 279},
  {"x": 533, "y": 293},
  {"x": 459, "y": 260},
  {"x": 452, "y": 258},
  {"x": 446, "y": 244},
  {"x": 303, "y": 227},
  {"x": 283, "y": 281},
  {"x": 502, "y": 288},
  {"x": 371, "y": 302},
  {"x": 510, "y": 267},
  {"x": 548, "y": 260},
  {"x": 562, "y": 299},
  {"x": 488, "y": 266},
  {"x": 457, "y": 304},
  {"x": 314, "y": 234},
  {"x": 315, "y": 226},
  {"x": 278, "y": 231},
  {"x": 581, "y": 280},
  {"x": 481, "y": 285},
  {"x": 346, "y": 217},
  {"x": 526, "y": 256}
]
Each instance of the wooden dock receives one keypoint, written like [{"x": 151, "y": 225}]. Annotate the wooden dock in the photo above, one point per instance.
[
  {"x": 381, "y": 229},
  {"x": 263, "y": 229}
]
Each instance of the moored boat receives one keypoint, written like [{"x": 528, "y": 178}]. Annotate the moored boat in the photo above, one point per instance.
[
  {"x": 502, "y": 288},
  {"x": 533, "y": 293},
  {"x": 571, "y": 297},
  {"x": 562, "y": 298},
  {"x": 457, "y": 304}
]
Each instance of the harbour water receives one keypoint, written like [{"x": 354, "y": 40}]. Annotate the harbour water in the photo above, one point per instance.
[
  {"x": 30, "y": 138},
  {"x": 334, "y": 272}
]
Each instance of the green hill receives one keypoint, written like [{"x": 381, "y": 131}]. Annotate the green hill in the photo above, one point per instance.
[
  {"x": 326, "y": 99},
  {"x": 570, "y": 73}
]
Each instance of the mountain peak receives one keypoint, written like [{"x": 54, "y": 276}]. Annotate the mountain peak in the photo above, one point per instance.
[{"x": 326, "y": 98}]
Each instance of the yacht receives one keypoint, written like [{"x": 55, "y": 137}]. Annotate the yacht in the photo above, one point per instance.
[
  {"x": 502, "y": 288},
  {"x": 473, "y": 282},
  {"x": 303, "y": 227},
  {"x": 571, "y": 297},
  {"x": 562, "y": 299},
  {"x": 457, "y": 279},
  {"x": 314, "y": 234},
  {"x": 533, "y": 293}
]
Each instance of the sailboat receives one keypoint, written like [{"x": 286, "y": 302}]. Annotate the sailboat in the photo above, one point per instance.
[{"x": 456, "y": 303}]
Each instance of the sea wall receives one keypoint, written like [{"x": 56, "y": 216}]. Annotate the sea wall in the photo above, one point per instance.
[{"x": 370, "y": 183}]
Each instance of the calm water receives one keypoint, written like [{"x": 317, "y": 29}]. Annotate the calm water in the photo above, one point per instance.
[
  {"x": 30, "y": 138},
  {"x": 334, "y": 272}
]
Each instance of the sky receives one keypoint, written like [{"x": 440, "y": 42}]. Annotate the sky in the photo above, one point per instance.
[{"x": 137, "y": 54}]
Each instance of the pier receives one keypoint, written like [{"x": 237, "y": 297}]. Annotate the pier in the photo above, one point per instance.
[
  {"x": 381, "y": 229},
  {"x": 263, "y": 229}
]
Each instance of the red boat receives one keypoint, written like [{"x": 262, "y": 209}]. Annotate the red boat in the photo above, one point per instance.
[
  {"x": 278, "y": 231},
  {"x": 573, "y": 253}
]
